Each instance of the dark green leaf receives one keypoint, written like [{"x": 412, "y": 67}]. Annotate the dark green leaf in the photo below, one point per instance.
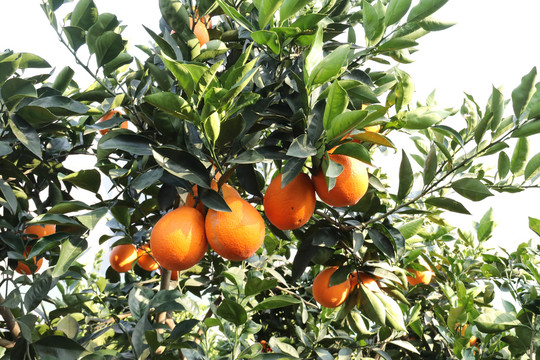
[
  {"x": 373, "y": 25},
  {"x": 61, "y": 105},
  {"x": 233, "y": 13},
  {"x": 9, "y": 196},
  {"x": 233, "y": 312},
  {"x": 447, "y": 204},
  {"x": 38, "y": 291},
  {"x": 372, "y": 306},
  {"x": 15, "y": 89},
  {"x": 290, "y": 7},
  {"x": 63, "y": 79},
  {"x": 405, "y": 177},
  {"x": 330, "y": 66},
  {"x": 396, "y": 44},
  {"x": 139, "y": 300},
  {"x": 266, "y": 8},
  {"x": 382, "y": 242},
  {"x": 76, "y": 36},
  {"x": 85, "y": 179},
  {"x": 171, "y": 103},
  {"x": 108, "y": 46},
  {"x": 105, "y": 22},
  {"x": 255, "y": 286},
  {"x": 527, "y": 129},
  {"x": 58, "y": 347},
  {"x": 354, "y": 150},
  {"x": 213, "y": 200},
  {"x": 130, "y": 143},
  {"x": 301, "y": 147},
  {"x": 84, "y": 15},
  {"x": 523, "y": 93},
  {"x": 91, "y": 218},
  {"x": 26, "y": 134},
  {"x": 430, "y": 165},
  {"x": 68, "y": 206},
  {"x": 182, "y": 164},
  {"x": 472, "y": 189},
  {"x": 343, "y": 123},
  {"x": 292, "y": 168},
  {"x": 162, "y": 43}
]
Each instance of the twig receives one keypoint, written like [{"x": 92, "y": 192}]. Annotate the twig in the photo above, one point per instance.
[{"x": 10, "y": 320}]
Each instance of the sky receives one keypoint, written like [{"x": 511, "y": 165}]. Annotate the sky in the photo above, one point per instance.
[{"x": 494, "y": 43}]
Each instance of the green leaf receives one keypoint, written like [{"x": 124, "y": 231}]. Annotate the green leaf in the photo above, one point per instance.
[
  {"x": 523, "y": 93},
  {"x": 182, "y": 73},
  {"x": 301, "y": 147},
  {"x": 276, "y": 302},
  {"x": 105, "y": 22},
  {"x": 421, "y": 118},
  {"x": 411, "y": 228},
  {"x": 233, "y": 312},
  {"x": 266, "y": 8},
  {"x": 394, "y": 315},
  {"x": 292, "y": 168},
  {"x": 432, "y": 24},
  {"x": 255, "y": 286},
  {"x": 330, "y": 67},
  {"x": 534, "y": 225},
  {"x": 182, "y": 164},
  {"x": 85, "y": 179},
  {"x": 16, "y": 89},
  {"x": 64, "y": 77},
  {"x": 396, "y": 44},
  {"x": 405, "y": 177},
  {"x": 343, "y": 123},
  {"x": 404, "y": 89},
  {"x": 354, "y": 150},
  {"x": 172, "y": 104},
  {"x": 58, "y": 347},
  {"x": 128, "y": 142},
  {"x": 61, "y": 105},
  {"x": 8, "y": 68},
  {"x": 108, "y": 46},
  {"x": 212, "y": 200},
  {"x": 336, "y": 103},
  {"x": 268, "y": 38},
  {"x": 91, "y": 218},
  {"x": 233, "y": 13},
  {"x": 527, "y": 129},
  {"x": 139, "y": 300},
  {"x": 84, "y": 15},
  {"x": 26, "y": 134},
  {"x": 472, "y": 189},
  {"x": 497, "y": 107},
  {"x": 9, "y": 196},
  {"x": 396, "y": 10},
  {"x": 69, "y": 326},
  {"x": 373, "y": 25},
  {"x": 519, "y": 156},
  {"x": 76, "y": 36},
  {"x": 162, "y": 43},
  {"x": 68, "y": 206},
  {"x": 315, "y": 54},
  {"x": 290, "y": 7},
  {"x": 382, "y": 242},
  {"x": 533, "y": 166},
  {"x": 448, "y": 204},
  {"x": 424, "y": 9},
  {"x": 430, "y": 165},
  {"x": 372, "y": 306},
  {"x": 405, "y": 345},
  {"x": 71, "y": 249},
  {"x": 503, "y": 166},
  {"x": 494, "y": 321},
  {"x": 38, "y": 291}
]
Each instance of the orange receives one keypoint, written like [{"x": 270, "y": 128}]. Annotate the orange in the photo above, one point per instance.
[
  {"x": 472, "y": 340},
  {"x": 22, "y": 268},
  {"x": 238, "y": 234},
  {"x": 200, "y": 31},
  {"x": 368, "y": 281},
  {"x": 177, "y": 240},
  {"x": 145, "y": 258},
  {"x": 351, "y": 185},
  {"x": 421, "y": 277},
  {"x": 109, "y": 115},
  {"x": 40, "y": 230},
  {"x": 122, "y": 257},
  {"x": 290, "y": 207},
  {"x": 330, "y": 296}
]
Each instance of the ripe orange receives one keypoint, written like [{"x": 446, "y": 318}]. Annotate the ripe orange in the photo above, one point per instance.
[
  {"x": 330, "y": 296},
  {"x": 351, "y": 185},
  {"x": 421, "y": 277},
  {"x": 366, "y": 279},
  {"x": 145, "y": 258},
  {"x": 200, "y": 31},
  {"x": 238, "y": 234},
  {"x": 177, "y": 240},
  {"x": 40, "y": 230},
  {"x": 290, "y": 207},
  {"x": 473, "y": 339},
  {"x": 122, "y": 257},
  {"x": 22, "y": 268},
  {"x": 109, "y": 115}
]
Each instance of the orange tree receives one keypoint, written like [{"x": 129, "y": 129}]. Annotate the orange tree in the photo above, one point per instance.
[{"x": 282, "y": 88}]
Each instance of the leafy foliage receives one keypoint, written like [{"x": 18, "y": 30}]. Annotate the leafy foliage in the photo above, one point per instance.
[{"x": 275, "y": 90}]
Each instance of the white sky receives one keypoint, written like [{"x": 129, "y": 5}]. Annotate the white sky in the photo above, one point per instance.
[{"x": 493, "y": 44}]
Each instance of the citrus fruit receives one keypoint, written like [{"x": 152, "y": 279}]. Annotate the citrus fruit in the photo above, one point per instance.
[
  {"x": 330, "y": 296},
  {"x": 177, "y": 240},
  {"x": 351, "y": 185},
  {"x": 420, "y": 277},
  {"x": 145, "y": 258},
  {"x": 109, "y": 115},
  {"x": 200, "y": 31},
  {"x": 122, "y": 257},
  {"x": 290, "y": 207},
  {"x": 473, "y": 339},
  {"x": 366, "y": 279},
  {"x": 238, "y": 234},
  {"x": 22, "y": 268},
  {"x": 40, "y": 230}
]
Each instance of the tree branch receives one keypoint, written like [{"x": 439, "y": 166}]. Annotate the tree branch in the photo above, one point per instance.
[{"x": 10, "y": 320}]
